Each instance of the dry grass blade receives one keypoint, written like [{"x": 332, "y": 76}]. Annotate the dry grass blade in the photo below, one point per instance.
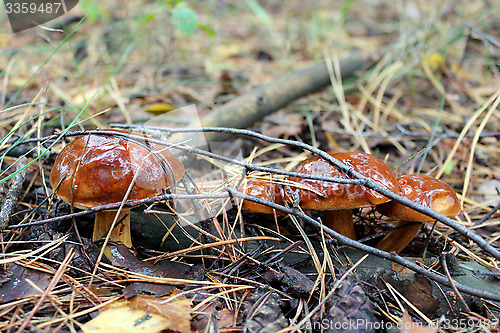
[
  {"x": 493, "y": 107},
  {"x": 48, "y": 290}
]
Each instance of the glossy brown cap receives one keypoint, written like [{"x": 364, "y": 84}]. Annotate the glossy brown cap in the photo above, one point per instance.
[
  {"x": 94, "y": 170},
  {"x": 265, "y": 190},
  {"x": 427, "y": 191},
  {"x": 342, "y": 196}
]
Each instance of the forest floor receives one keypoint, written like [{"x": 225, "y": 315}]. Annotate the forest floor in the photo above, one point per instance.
[{"x": 423, "y": 98}]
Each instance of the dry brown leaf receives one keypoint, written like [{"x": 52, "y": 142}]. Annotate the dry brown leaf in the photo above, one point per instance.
[
  {"x": 408, "y": 326},
  {"x": 14, "y": 284},
  {"x": 205, "y": 317}
]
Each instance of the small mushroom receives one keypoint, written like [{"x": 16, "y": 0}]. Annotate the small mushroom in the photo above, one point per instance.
[
  {"x": 262, "y": 189},
  {"x": 338, "y": 200},
  {"x": 426, "y": 191},
  {"x": 94, "y": 170}
]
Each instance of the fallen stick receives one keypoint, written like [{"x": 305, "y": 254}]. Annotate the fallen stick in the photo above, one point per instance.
[
  {"x": 247, "y": 109},
  {"x": 14, "y": 192}
]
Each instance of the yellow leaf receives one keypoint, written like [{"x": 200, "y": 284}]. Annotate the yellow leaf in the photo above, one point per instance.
[
  {"x": 434, "y": 60},
  {"x": 227, "y": 50},
  {"x": 143, "y": 314},
  {"x": 159, "y": 108}
]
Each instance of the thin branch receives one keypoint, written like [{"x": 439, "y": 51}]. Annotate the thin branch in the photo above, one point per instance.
[
  {"x": 128, "y": 203},
  {"x": 365, "y": 181},
  {"x": 14, "y": 192},
  {"x": 359, "y": 179},
  {"x": 363, "y": 247},
  {"x": 488, "y": 215},
  {"x": 453, "y": 283}
]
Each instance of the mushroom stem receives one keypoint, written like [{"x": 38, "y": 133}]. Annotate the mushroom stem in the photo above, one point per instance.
[
  {"x": 121, "y": 231},
  {"x": 397, "y": 240},
  {"x": 340, "y": 221}
]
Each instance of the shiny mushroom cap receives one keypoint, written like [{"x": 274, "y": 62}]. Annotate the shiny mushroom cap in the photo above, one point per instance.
[
  {"x": 342, "y": 196},
  {"x": 94, "y": 170},
  {"x": 265, "y": 190},
  {"x": 426, "y": 191}
]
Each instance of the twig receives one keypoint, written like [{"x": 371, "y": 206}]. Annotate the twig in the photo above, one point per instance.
[
  {"x": 480, "y": 272},
  {"x": 363, "y": 247},
  {"x": 488, "y": 215},
  {"x": 402, "y": 133},
  {"x": 356, "y": 177},
  {"x": 13, "y": 194},
  {"x": 243, "y": 111},
  {"x": 129, "y": 203},
  {"x": 448, "y": 275},
  {"x": 248, "y": 166},
  {"x": 365, "y": 181}
]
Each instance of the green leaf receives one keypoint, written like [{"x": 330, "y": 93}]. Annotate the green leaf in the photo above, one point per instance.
[
  {"x": 345, "y": 8},
  {"x": 207, "y": 29},
  {"x": 449, "y": 167},
  {"x": 184, "y": 18}
]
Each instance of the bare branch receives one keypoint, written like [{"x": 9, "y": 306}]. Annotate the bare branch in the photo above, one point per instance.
[
  {"x": 358, "y": 179},
  {"x": 363, "y": 247}
]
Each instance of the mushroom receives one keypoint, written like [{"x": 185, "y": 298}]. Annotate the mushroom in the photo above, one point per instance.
[
  {"x": 338, "y": 200},
  {"x": 262, "y": 189},
  {"x": 426, "y": 191},
  {"x": 94, "y": 170}
]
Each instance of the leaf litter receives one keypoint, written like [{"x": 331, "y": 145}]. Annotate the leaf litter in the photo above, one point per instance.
[{"x": 429, "y": 104}]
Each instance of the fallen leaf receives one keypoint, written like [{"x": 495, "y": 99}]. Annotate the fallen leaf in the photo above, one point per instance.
[
  {"x": 16, "y": 285},
  {"x": 159, "y": 108},
  {"x": 416, "y": 288},
  {"x": 408, "y": 326},
  {"x": 227, "y": 50},
  {"x": 397, "y": 267},
  {"x": 143, "y": 314},
  {"x": 204, "y": 317},
  {"x": 166, "y": 269}
]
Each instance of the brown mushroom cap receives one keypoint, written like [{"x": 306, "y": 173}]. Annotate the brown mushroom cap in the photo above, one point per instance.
[
  {"x": 94, "y": 170},
  {"x": 426, "y": 191},
  {"x": 261, "y": 189},
  {"x": 342, "y": 196}
]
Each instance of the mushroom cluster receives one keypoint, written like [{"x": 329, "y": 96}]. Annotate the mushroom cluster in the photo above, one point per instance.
[
  {"x": 94, "y": 170},
  {"x": 338, "y": 200}
]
